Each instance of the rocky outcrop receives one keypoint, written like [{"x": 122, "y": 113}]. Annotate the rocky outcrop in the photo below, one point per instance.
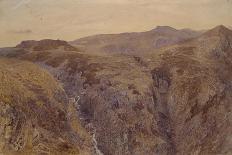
[{"x": 46, "y": 44}]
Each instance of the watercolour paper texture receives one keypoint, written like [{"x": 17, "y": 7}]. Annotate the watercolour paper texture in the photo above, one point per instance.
[{"x": 115, "y": 77}]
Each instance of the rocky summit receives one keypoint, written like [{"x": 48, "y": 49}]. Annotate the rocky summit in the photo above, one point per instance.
[{"x": 160, "y": 92}]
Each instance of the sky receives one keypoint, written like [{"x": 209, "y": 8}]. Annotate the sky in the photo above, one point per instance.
[{"x": 73, "y": 19}]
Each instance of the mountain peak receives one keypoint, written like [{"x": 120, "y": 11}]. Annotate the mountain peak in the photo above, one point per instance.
[
  {"x": 218, "y": 30},
  {"x": 163, "y": 29}
]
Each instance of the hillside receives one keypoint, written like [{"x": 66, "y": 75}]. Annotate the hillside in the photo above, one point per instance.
[
  {"x": 151, "y": 100},
  {"x": 34, "y": 113},
  {"x": 193, "y": 81},
  {"x": 134, "y": 43}
]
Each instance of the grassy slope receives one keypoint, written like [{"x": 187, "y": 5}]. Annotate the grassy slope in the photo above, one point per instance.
[{"x": 33, "y": 112}]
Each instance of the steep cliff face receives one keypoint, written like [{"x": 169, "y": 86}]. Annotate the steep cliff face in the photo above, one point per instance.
[
  {"x": 174, "y": 100},
  {"x": 111, "y": 107},
  {"x": 193, "y": 113},
  {"x": 193, "y": 92}
]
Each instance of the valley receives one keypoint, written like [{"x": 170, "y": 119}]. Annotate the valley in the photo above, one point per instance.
[{"x": 164, "y": 92}]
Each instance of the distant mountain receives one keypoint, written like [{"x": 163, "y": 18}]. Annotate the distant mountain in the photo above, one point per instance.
[
  {"x": 214, "y": 44},
  {"x": 136, "y": 43},
  {"x": 219, "y": 30},
  {"x": 46, "y": 44}
]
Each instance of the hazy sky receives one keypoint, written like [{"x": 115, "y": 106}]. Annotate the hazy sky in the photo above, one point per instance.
[{"x": 72, "y": 19}]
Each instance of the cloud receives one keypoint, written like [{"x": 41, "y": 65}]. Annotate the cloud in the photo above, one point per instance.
[
  {"x": 20, "y": 3},
  {"x": 27, "y": 31}
]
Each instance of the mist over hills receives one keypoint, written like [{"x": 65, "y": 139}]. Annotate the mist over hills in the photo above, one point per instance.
[{"x": 164, "y": 91}]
